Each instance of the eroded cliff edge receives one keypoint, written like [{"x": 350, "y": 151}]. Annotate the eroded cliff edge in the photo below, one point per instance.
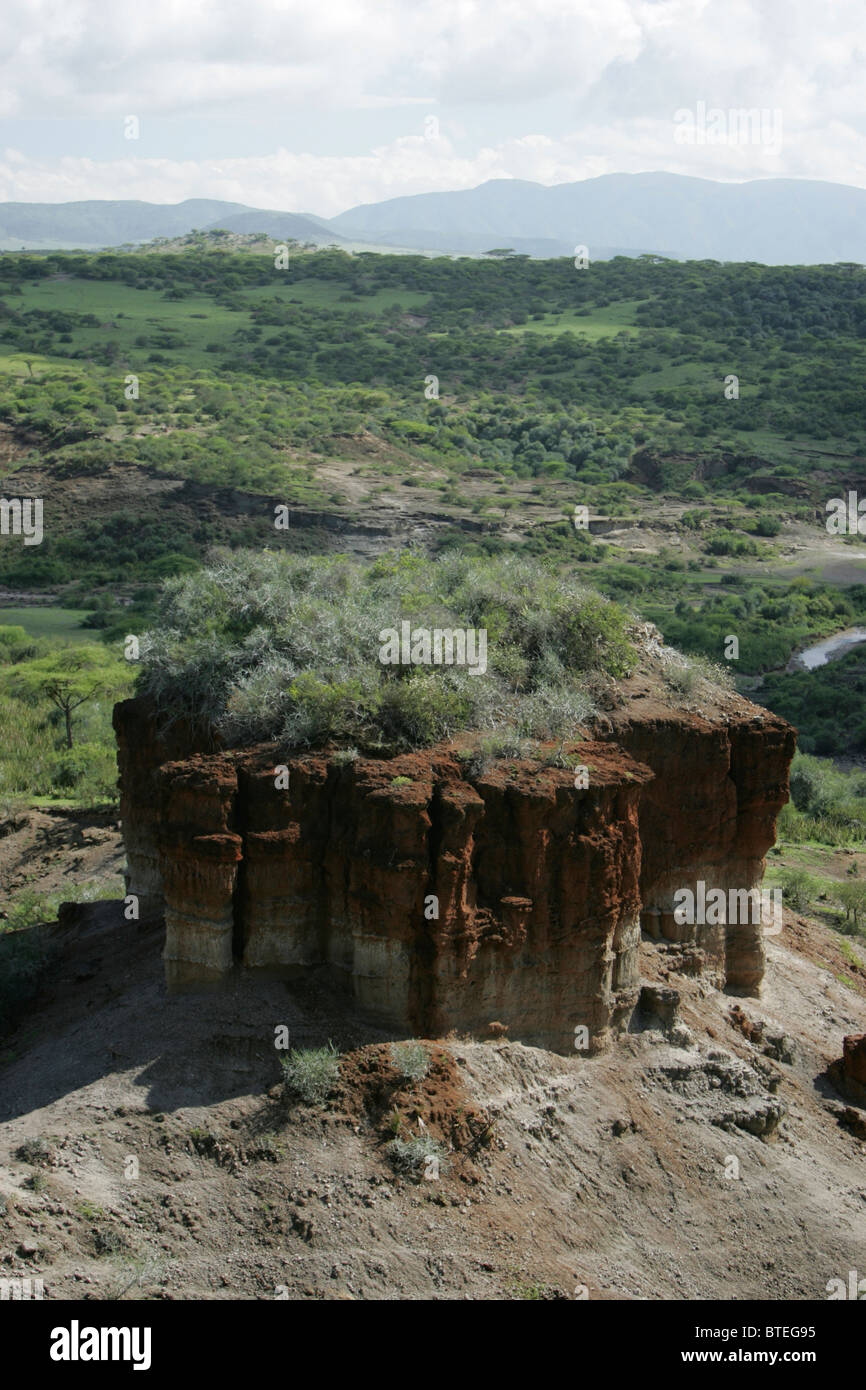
[{"x": 449, "y": 900}]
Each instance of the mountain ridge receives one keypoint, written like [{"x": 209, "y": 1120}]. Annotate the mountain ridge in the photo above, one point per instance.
[{"x": 771, "y": 221}]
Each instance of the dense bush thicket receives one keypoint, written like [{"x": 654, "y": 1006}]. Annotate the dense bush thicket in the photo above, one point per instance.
[
  {"x": 770, "y": 622},
  {"x": 35, "y": 759},
  {"x": 827, "y": 705},
  {"x": 331, "y": 347},
  {"x": 827, "y": 805},
  {"x": 264, "y": 645}
]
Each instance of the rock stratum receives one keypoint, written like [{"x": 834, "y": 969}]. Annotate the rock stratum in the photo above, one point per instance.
[{"x": 449, "y": 900}]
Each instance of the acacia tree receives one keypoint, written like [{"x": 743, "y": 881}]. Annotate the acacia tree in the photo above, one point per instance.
[
  {"x": 70, "y": 677},
  {"x": 852, "y": 896}
]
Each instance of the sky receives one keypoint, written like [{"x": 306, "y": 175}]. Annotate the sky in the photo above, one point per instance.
[{"x": 317, "y": 107}]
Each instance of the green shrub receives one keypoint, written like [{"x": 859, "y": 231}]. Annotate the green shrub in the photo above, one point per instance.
[
  {"x": 24, "y": 958},
  {"x": 16, "y": 644},
  {"x": 310, "y": 1074},
  {"x": 410, "y": 1059},
  {"x": 799, "y": 888},
  {"x": 721, "y": 543},
  {"x": 27, "y": 748},
  {"x": 266, "y": 645},
  {"x": 827, "y": 805},
  {"x": 418, "y": 1157},
  {"x": 852, "y": 897},
  {"x": 767, "y": 526},
  {"x": 811, "y": 784},
  {"x": 35, "y": 1150},
  {"x": 89, "y": 771}
]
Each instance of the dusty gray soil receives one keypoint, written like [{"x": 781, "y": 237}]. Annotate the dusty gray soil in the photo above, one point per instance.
[
  {"x": 171, "y": 1165},
  {"x": 59, "y": 852}
]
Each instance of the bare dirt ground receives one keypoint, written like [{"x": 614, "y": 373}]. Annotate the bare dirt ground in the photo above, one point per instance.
[
  {"x": 59, "y": 851},
  {"x": 161, "y": 1158}
]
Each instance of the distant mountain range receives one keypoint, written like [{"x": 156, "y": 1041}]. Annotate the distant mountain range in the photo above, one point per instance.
[
  {"x": 774, "y": 221},
  {"x": 96, "y": 224}
]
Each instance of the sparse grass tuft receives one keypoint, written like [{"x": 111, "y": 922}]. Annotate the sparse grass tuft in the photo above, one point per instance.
[
  {"x": 136, "y": 1272},
  {"x": 418, "y": 1157},
  {"x": 37, "y": 1151},
  {"x": 685, "y": 678},
  {"x": 309, "y": 1074},
  {"x": 107, "y": 1242},
  {"x": 410, "y": 1059}
]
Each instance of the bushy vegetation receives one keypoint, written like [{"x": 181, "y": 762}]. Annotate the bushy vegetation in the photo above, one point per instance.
[
  {"x": 265, "y": 645},
  {"x": 828, "y": 704},
  {"x": 24, "y": 958},
  {"x": 310, "y": 1074},
  {"x": 55, "y": 713},
  {"x": 410, "y": 1059},
  {"x": 418, "y": 1157},
  {"x": 827, "y": 805},
  {"x": 799, "y": 888},
  {"x": 770, "y": 620},
  {"x": 602, "y": 379},
  {"x": 684, "y": 677},
  {"x": 35, "y": 1150},
  {"x": 27, "y": 907},
  {"x": 648, "y": 335},
  {"x": 851, "y": 896},
  {"x": 841, "y": 903}
]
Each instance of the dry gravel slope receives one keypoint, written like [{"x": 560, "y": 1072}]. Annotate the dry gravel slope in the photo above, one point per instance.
[{"x": 611, "y": 1175}]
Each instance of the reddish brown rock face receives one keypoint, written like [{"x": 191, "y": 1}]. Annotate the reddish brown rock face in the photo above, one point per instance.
[
  {"x": 451, "y": 901},
  {"x": 144, "y": 743},
  {"x": 854, "y": 1059},
  {"x": 708, "y": 815},
  {"x": 848, "y": 1075},
  {"x": 199, "y": 855}
]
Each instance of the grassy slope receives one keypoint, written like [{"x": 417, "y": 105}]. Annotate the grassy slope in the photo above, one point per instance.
[{"x": 47, "y": 621}]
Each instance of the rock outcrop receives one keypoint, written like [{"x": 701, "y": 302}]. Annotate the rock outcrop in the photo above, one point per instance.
[
  {"x": 849, "y": 1073},
  {"x": 144, "y": 743},
  {"x": 449, "y": 900},
  {"x": 709, "y": 815}
]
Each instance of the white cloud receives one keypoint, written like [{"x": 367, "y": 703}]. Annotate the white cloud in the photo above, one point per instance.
[
  {"x": 617, "y": 72},
  {"x": 330, "y": 184},
  {"x": 82, "y": 57}
]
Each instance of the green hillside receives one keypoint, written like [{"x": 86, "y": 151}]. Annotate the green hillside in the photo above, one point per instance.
[{"x": 152, "y": 399}]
